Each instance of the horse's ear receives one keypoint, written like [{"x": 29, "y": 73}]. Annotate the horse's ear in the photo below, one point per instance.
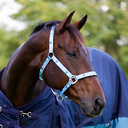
[
  {"x": 79, "y": 24},
  {"x": 61, "y": 27}
]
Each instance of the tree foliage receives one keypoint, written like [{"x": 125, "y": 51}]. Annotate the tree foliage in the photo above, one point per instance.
[
  {"x": 106, "y": 27},
  {"x": 8, "y": 43}
]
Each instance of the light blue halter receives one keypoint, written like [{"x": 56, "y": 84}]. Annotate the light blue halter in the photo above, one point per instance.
[{"x": 72, "y": 78}]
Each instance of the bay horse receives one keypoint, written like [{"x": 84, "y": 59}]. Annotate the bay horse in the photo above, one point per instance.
[{"x": 55, "y": 55}]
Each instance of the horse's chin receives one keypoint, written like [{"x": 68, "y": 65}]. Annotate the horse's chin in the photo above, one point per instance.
[{"x": 91, "y": 114}]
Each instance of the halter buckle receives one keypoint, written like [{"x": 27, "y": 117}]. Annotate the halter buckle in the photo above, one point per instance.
[{"x": 73, "y": 79}]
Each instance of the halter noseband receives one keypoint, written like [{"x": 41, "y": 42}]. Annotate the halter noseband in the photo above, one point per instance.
[{"x": 72, "y": 78}]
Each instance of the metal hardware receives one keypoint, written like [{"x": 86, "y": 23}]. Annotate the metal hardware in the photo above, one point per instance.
[
  {"x": 73, "y": 79},
  {"x": 59, "y": 97},
  {"x": 109, "y": 124},
  {"x": 50, "y": 55},
  {"x": 1, "y": 126},
  {"x": 0, "y": 109},
  {"x": 25, "y": 114}
]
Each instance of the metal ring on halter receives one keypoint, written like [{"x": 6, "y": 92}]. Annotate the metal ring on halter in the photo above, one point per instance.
[
  {"x": 73, "y": 79},
  {"x": 50, "y": 55},
  {"x": 57, "y": 98}
]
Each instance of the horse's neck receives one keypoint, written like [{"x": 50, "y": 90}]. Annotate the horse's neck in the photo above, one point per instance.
[{"x": 20, "y": 82}]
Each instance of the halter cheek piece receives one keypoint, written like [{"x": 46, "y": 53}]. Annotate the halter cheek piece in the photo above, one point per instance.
[{"x": 72, "y": 78}]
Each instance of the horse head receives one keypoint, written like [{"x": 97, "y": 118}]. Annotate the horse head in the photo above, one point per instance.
[{"x": 70, "y": 51}]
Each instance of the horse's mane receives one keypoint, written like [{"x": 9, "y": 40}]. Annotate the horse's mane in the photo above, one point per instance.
[{"x": 47, "y": 26}]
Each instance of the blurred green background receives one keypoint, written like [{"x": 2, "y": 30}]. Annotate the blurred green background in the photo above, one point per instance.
[{"x": 106, "y": 28}]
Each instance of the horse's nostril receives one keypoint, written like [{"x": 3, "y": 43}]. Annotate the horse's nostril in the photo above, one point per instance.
[{"x": 99, "y": 104}]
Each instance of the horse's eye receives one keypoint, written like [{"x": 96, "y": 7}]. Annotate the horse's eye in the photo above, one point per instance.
[{"x": 72, "y": 54}]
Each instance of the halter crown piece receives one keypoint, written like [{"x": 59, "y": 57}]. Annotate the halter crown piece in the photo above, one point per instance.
[{"x": 72, "y": 78}]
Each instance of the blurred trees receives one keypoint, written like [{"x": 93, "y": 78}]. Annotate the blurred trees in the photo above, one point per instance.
[
  {"x": 8, "y": 43},
  {"x": 106, "y": 28}
]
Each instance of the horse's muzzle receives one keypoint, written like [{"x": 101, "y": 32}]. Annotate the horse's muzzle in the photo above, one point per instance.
[{"x": 92, "y": 110}]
